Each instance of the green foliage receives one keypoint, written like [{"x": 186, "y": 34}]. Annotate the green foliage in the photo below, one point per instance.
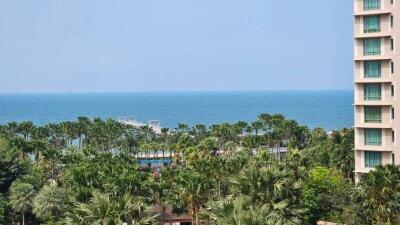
[
  {"x": 11, "y": 166},
  {"x": 50, "y": 202},
  {"x": 21, "y": 195},
  {"x": 102, "y": 209},
  {"x": 106, "y": 173},
  {"x": 86, "y": 172},
  {"x": 3, "y": 208},
  {"x": 381, "y": 190},
  {"x": 319, "y": 189}
]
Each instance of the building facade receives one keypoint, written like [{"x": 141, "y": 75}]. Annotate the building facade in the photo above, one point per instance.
[{"x": 376, "y": 78}]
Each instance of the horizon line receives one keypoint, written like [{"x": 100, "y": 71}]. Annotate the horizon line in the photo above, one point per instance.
[{"x": 170, "y": 91}]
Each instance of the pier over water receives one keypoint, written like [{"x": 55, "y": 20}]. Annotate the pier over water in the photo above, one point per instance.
[{"x": 132, "y": 121}]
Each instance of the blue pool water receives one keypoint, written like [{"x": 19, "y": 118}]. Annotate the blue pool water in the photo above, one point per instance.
[
  {"x": 154, "y": 162},
  {"x": 327, "y": 109}
]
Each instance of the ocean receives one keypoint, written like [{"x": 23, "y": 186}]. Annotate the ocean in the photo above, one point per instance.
[{"x": 327, "y": 109}]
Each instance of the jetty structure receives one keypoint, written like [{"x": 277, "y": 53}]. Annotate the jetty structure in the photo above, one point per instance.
[{"x": 132, "y": 121}]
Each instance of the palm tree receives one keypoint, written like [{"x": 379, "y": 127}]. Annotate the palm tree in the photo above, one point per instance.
[
  {"x": 82, "y": 128},
  {"x": 183, "y": 128},
  {"x": 21, "y": 195},
  {"x": 241, "y": 210},
  {"x": 343, "y": 154},
  {"x": 11, "y": 129},
  {"x": 199, "y": 131},
  {"x": 249, "y": 130},
  {"x": 160, "y": 188},
  {"x": 130, "y": 143},
  {"x": 164, "y": 132},
  {"x": 194, "y": 189},
  {"x": 49, "y": 202},
  {"x": 267, "y": 185},
  {"x": 265, "y": 118},
  {"x": 184, "y": 142},
  {"x": 148, "y": 132},
  {"x": 40, "y": 133},
  {"x": 26, "y": 128},
  {"x": 381, "y": 188},
  {"x": 257, "y": 126},
  {"x": 102, "y": 209},
  {"x": 52, "y": 157},
  {"x": 223, "y": 132}
]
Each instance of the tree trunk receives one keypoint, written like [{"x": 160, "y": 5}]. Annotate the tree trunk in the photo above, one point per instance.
[
  {"x": 129, "y": 221},
  {"x": 194, "y": 214},
  {"x": 53, "y": 172},
  {"x": 197, "y": 218},
  {"x": 162, "y": 214},
  {"x": 80, "y": 141},
  {"x": 219, "y": 187},
  {"x": 23, "y": 218}
]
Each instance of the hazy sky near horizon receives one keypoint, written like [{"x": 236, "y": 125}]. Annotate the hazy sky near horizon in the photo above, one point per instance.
[{"x": 175, "y": 45}]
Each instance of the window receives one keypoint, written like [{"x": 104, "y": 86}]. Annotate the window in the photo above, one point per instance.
[
  {"x": 372, "y": 114},
  {"x": 372, "y": 159},
  {"x": 392, "y": 90},
  {"x": 393, "y": 159},
  {"x": 391, "y": 21},
  {"x": 392, "y": 135},
  {"x": 392, "y": 113},
  {"x": 372, "y": 24},
  {"x": 373, "y": 137},
  {"x": 372, "y": 46},
  {"x": 372, "y": 4},
  {"x": 372, "y": 69},
  {"x": 392, "y": 67},
  {"x": 372, "y": 92},
  {"x": 391, "y": 44}
]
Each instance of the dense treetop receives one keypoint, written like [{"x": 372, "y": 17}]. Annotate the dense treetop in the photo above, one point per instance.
[{"x": 270, "y": 171}]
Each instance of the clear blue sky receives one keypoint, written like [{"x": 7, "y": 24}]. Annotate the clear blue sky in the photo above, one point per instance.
[{"x": 175, "y": 45}]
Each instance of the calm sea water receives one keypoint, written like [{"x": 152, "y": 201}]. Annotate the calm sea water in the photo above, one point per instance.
[{"x": 327, "y": 109}]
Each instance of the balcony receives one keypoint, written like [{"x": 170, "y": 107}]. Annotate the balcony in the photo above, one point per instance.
[
  {"x": 385, "y": 7},
  {"x": 386, "y": 143},
  {"x": 382, "y": 75},
  {"x": 385, "y": 52},
  {"x": 360, "y": 161},
  {"x": 383, "y": 31},
  {"x": 372, "y": 80},
  {"x": 385, "y": 99},
  {"x": 385, "y": 121}
]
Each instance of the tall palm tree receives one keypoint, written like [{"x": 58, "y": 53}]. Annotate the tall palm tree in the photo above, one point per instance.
[
  {"x": 103, "y": 209},
  {"x": 148, "y": 132},
  {"x": 21, "y": 195},
  {"x": 183, "y": 128},
  {"x": 268, "y": 185},
  {"x": 257, "y": 126},
  {"x": 194, "y": 189},
  {"x": 50, "y": 202},
  {"x": 26, "y": 128},
  {"x": 82, "y": 128},
  {"x": 11, "y": 129},
  {"x": 241, "y": 210}
]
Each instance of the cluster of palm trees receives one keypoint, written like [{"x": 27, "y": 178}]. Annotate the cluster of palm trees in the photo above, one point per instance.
[{"x": 87, "y": 172}]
